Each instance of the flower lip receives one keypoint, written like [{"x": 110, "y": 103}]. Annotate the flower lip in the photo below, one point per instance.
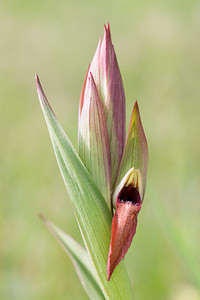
[
  {"x": 124, "y": 223},
  {"x": 129, "y": 188},
  {"x": 129, "y": 194}
]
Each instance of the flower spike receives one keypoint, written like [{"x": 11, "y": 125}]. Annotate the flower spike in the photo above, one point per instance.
[{"x": 109, "y": 175}]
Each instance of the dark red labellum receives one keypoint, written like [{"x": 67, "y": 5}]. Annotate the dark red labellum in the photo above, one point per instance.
[{"x": 124, "y": 225}]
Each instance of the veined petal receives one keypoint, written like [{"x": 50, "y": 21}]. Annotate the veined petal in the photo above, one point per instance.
[
  {"x": 93, "y": 140},
  {"x": 136, "y": 150}
]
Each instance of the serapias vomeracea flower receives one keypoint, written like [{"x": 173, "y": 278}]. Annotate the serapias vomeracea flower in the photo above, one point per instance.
[{"x": 119, "y": 168}]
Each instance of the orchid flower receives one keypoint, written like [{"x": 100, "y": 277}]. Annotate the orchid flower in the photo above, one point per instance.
[{"x": 106, "y": 181}]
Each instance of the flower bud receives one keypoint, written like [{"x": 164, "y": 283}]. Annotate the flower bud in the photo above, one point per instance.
[{"x": 106, "y": 73}]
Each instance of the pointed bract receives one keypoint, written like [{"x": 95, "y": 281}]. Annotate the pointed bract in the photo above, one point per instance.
[
  {"x": 136, "y": 150},
  {"x": 106, "y": 73},
  {"x": 115, "y": 116},
  {"x": 93, "y": 139}
]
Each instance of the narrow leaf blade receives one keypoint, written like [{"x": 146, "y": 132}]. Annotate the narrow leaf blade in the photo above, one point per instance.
[{"x": 80, "y": 260}]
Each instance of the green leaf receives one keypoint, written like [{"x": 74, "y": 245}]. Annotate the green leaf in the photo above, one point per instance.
[
  {"x": 80, "y": 259},
  {"x": 91, "y": 211}
]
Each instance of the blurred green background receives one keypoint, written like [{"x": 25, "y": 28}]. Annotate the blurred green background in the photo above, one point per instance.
[{"x": 158, "y": 49}]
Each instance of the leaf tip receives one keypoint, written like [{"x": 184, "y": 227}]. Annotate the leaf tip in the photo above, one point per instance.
[
  {"x": 38, "y": 84},
  {"x": 42, "y": 97}
]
